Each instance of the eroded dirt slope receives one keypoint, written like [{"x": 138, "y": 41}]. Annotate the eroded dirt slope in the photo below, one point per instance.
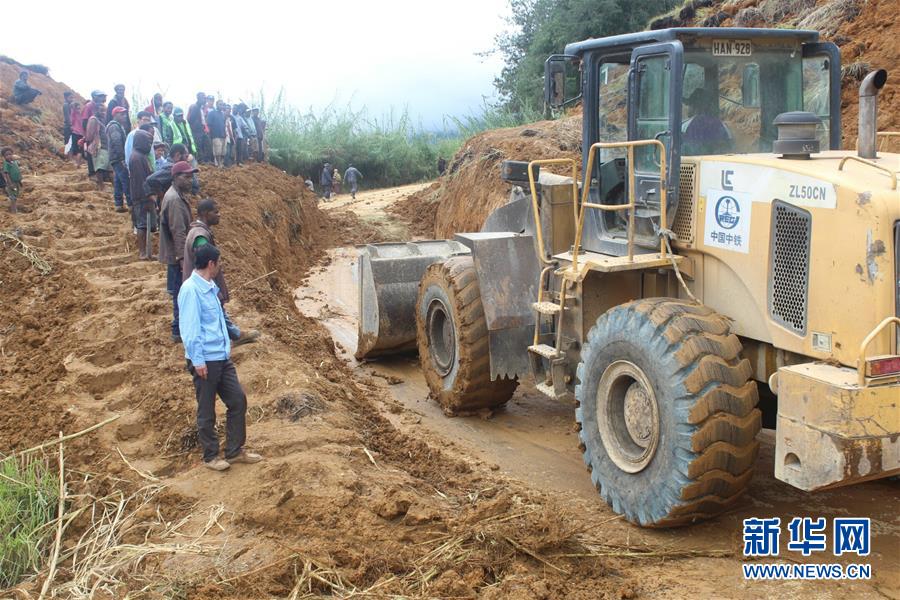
[
  {"x": 343, "y": 494},
  {"x": 34, "y": 131}
]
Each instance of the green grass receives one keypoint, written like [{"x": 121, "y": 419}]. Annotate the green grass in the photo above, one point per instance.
[
  {"x": 29, "y": 493},
  {"x": 389, "y": 150}
]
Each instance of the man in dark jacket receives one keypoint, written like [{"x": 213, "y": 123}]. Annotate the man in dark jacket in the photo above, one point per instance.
[
  {"x": 143, "y": 210},
  {"x": 196, "y": 120},
  {"x": 200, "y": 234},
  {"x": 115, "y": 133},
  {"x": 157, "y": 184},
  {"x": 351, "y": 178},
  {"x": 120, "y": 100},
  {"x": 22, "y": 92},
  {"x": 175, "y": 219},
  {"x": 326, "y": 180},
  {"x": 215, "y": 120}
]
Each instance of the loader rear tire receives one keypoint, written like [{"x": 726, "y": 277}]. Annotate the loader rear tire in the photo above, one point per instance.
[
  {"x": 452, "y": 335},
  {"x": 667, "y": 412}
]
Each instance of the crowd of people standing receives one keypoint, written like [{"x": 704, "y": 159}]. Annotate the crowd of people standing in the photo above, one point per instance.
[
  {"x": 153, "y": 164},
  {"x": 213, "y": 132}
]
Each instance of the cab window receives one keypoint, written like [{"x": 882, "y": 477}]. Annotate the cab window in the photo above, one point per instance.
[
  {"x": 729, "y": 103},
  {"x": 613, "y": 108}
]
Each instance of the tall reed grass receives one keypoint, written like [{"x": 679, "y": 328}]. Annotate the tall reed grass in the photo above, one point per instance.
[
  {"x": 29, "y": 493},
  {"x": 389, "y": 150}
]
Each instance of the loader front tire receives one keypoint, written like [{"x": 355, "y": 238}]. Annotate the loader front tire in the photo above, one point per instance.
[
  {"x": 667, "y": 412},
  {"x": 452, "y": 335}
]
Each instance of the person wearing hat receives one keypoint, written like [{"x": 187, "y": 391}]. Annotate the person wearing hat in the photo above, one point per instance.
[
  {"x": 119, "y": 100},
  {"x": 22, "y": 92},
  {"x": 170, "y": 135},
  {"x": 175, "y": 220},
  {"x": 184, "y": 130},
  {"x": 143, "y": 209},
  {"x": 116, "y": 134}
]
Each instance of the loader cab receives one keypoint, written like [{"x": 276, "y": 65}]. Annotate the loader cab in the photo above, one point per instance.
[{"x": 700, "y": 91}]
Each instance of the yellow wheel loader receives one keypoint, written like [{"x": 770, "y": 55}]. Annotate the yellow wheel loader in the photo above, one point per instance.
[{"x": 719, "y": 243}]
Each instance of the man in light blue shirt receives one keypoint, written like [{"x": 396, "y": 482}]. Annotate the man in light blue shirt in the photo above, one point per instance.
[{"x": 207, "y": 349}]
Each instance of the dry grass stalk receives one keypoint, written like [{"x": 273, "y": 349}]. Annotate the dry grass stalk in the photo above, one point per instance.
[
  {"x": 371, "y": 458},
  {"x": 65, "y": 438},
  {"x": 101, "y": 562},
  {"x": 146, "y": 475},
  {"x": 829, "y": 16},
  {"x": 57, "y": 542},
  {"x": 38, "y": 262}
]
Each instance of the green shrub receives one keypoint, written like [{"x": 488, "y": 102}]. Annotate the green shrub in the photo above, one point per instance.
[
  {"x": 29, "y": 493},
  {"x": 390, "y": 150}
]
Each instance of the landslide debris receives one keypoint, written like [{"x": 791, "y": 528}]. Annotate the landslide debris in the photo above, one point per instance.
[{"x": 33, "y": 131}]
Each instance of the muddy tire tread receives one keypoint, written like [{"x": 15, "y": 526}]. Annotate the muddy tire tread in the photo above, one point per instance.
[
  {"x": 472, "y": 389},
  {"x": 715, "y": 442}
]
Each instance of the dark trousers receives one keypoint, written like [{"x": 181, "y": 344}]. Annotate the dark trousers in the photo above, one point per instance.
[
  {"x": 204, "y": 150},
  {"x": 221, "y": 379},
  {"x": 240, "y": 150},
  {"x": 173, "y": 285},
  {"x": 229, "y": 154},
  {"x": 121, "y": 188}
]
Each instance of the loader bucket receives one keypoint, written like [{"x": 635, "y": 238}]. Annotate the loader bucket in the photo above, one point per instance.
[{"x": 389, "y": 276}]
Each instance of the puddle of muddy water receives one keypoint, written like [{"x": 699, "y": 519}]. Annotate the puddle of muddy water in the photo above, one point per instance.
[{"x": 531, "y": 438}]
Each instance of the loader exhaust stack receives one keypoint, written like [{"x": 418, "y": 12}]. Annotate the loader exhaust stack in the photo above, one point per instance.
[{"x": 868, "y": 112}]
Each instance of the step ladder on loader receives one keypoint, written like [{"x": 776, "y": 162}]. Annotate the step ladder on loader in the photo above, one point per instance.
[{"x": 548, "y": 353}]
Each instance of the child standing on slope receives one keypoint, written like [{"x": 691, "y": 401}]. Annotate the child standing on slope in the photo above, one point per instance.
[{"x": 13, "y": 178}]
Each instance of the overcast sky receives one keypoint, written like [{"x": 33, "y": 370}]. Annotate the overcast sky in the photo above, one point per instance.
[{"x": 394, "y": 53}]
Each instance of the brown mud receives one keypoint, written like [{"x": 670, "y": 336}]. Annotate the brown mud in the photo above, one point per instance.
[
  {"x": 532, "y": 441},
  {"x": 367, "y": 489}
]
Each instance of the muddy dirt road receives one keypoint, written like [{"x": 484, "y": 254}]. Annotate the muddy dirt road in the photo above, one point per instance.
[{"x": 532, "y": 440}]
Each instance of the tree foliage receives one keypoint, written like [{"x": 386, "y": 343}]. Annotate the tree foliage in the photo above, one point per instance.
[{"x": 539, "y": 28}]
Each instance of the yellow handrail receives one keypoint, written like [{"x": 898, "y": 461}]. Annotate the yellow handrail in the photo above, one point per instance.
[
  {"x": 887, "y": 135},
  {"x": 534, "y": 198},
  {"x": 629, "y": 146},
  {"x": 892, "y": 174},
  {"x": 861, "y": 359}
]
